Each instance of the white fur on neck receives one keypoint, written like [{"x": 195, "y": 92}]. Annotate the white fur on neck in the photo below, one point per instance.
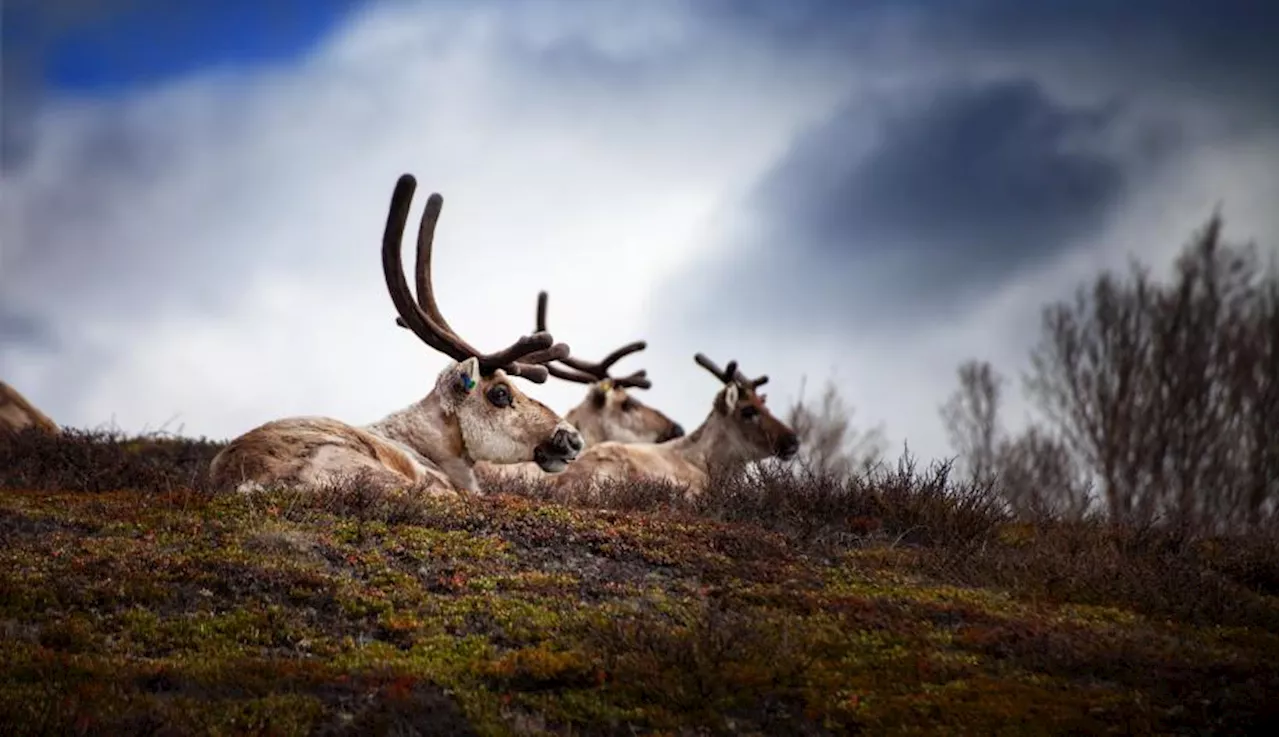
[{"x": 421, "y": 429}]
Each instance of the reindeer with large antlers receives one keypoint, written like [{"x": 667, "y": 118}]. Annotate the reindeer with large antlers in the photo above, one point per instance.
[
  {"x": 739, "y": 429},
  {"x": 474, "y": 412},
  {"x": 17, "y": 414}
]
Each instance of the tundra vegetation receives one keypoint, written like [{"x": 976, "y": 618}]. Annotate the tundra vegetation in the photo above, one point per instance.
[{"x": 882, "y": 597}]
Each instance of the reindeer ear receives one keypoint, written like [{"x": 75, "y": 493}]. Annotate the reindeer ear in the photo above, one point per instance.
[
  {"x": 466, "y": 375},
  {"x": 730, "y": 397}
]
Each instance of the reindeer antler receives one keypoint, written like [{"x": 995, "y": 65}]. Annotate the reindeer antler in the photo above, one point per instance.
[
  {"x": 585, "y": 372},
  {"x": 730, "y": 372},
  {"x": 523, "y": 358}
]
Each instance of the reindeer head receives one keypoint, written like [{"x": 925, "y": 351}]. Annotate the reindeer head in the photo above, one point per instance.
[
  {"x": 496, "y": 421},
  {"x": 747, "y": 423},
  {"x": 609, "y": 412}
]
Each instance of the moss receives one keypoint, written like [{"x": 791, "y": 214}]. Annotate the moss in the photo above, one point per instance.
[{"x": 128, "y": 612}]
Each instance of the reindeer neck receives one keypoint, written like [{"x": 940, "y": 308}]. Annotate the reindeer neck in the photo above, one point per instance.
[
  {"x": 709, "y": 445},
  {"x": 587, "y": 422},
  {"x": 433, "y": 433}
]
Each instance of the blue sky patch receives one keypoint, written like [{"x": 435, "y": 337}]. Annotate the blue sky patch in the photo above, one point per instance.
[{"x": 104, "y": 50}]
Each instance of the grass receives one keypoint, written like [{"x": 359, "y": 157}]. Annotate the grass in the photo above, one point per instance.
[{"x": 133, "y": 602}]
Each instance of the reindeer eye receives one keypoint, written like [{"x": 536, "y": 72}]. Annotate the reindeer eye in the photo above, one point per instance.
[
  {"x": 628, "y": 404},
  {"x": 749, "y": 413},
  {"x": 499, "y": 396}
]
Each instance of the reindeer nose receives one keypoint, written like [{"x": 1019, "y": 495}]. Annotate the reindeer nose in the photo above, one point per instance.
[
  {"x": 788, "y": 446},
  {"x": 676, "y": 431},
  {"x": 567, "y": 441}
]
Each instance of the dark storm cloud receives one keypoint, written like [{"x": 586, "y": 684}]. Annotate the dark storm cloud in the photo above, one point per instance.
[
  {"x": 960, "y": 189},
  {"x": 906, "y": 205},
  {"x": 1215, "y": 53},
  {"x": 972, "y": 183}
]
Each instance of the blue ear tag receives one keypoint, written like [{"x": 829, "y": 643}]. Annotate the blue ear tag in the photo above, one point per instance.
[{"x": 468, "y": 383}]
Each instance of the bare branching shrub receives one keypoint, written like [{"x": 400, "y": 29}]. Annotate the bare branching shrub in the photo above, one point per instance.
[
  {"x": 971, "y": 417},
  {"x": 1034, "y": 472},
  {"x": 1037, "y": 475},
  {"x": 1168, "y": 392},
  {"x": 82, "y": 460},
  {"x": 899, "y": 504},
  {"x": 829, "y": 441}
]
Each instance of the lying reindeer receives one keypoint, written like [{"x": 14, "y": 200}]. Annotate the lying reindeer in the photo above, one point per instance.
[
  {"x": 474, "y": 412},
  {"x": 738, "y": 431},
  {"x": 17, "y": 414}
]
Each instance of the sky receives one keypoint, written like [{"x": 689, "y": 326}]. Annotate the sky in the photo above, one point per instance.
[{"x": 192, "y": 199}]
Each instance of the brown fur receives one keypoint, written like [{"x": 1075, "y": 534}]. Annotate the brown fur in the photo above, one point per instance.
[
  {"x": 608, "y": 412},
  {"x": 287, "y": 452},
  {"x": 16, "y": 413},
  {"x": 725, "y": 441},
  {"x": 432, "y": 442}
]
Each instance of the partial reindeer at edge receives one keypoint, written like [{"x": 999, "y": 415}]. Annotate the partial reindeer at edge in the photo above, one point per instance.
[
  {"x": 474, "y": 412},
  {"x": 739, "y": 429},
  {"x": 17, "y": 414}
]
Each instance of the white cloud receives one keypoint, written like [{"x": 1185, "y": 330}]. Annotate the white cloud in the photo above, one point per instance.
[{"x": 208, "y": 250}]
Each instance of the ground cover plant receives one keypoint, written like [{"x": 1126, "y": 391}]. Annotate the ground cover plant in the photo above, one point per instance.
[{"x": 132, "y": 601}]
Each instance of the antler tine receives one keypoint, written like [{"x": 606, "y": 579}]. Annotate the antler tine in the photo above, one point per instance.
[
  {"x": 422, "y": 265},
  {"x": 535, "y": 373},
  {"x": 622, "y": 353},
  {"x": 505, "y": 358},
  {"x": 564, "y": 373},
  {"x": 535, "y": 366},
  {"x": 541, "y": 316},
  {"x": 710, "y": 365},
  {"x": 516, "y": 358},
  {"x": 730, "y": 372},
  {"x": 755, "y": 383},
  {"x": 588, "y": 372},
  {"x": 635, "y": 380},
  {"x": 568, "y": 374},
  {"x": 524, "y": 346},
  {"x": 600, "y": 369},
  {"x": 411, "y": 316},
  {"x": 554, "y": 353}
]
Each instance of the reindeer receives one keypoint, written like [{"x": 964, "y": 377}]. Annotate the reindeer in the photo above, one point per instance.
[
  {"x": 738, "y": 430},
  {"x": 474, "y": 412},
  {"x": 17, "y": 414},
  {"x": 608, "y": 412}
]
